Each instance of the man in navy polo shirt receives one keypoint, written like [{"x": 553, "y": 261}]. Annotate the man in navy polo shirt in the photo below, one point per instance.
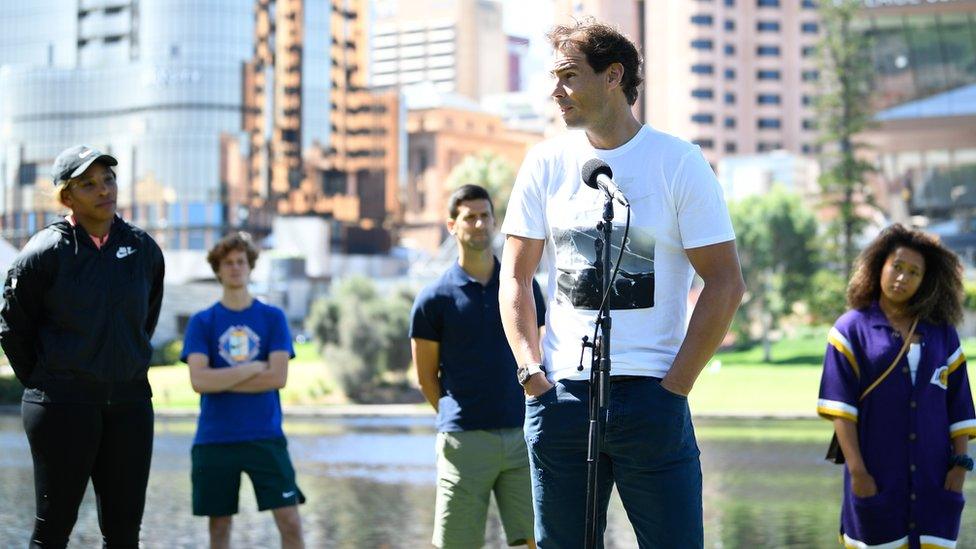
[{"x": 466, "y": 371}]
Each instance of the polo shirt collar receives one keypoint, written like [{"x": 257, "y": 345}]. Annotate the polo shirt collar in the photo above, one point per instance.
[
  {"x": 878, "y": 319},
  {"x": 459, "y": 277}
]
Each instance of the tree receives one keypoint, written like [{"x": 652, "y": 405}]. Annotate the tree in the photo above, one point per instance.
[
  {"x": 776, "y": 236},
  {"x": 489, "y": 170},
  {"x": 844, "y": 112},
  {"x": 362, "y": 334}
]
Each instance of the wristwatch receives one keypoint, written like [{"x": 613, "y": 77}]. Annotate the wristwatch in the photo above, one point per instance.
[
  {"x": 527, "y": 370},
  {"x": 962, "y": 460}
]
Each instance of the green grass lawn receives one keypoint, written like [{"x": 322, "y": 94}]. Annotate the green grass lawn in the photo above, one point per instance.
[{"x": 735, "y": 383}]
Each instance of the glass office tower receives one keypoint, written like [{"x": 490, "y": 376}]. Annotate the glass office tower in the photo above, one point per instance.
[{"x": 157, "y": 83}]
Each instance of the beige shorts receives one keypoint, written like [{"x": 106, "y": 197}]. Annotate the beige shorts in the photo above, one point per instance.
[{"x": 471, "y": 465}]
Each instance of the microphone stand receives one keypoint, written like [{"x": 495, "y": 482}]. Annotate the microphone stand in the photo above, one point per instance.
[{"x": 599, "y": 375}]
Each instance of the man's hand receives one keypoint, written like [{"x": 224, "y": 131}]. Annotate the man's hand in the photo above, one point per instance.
[
  {"x": 955, "y": 478},
  {"x": 672, "y": 387},
  {"x": 863, "y": 486},
  {"x": 537, "y": 385}
]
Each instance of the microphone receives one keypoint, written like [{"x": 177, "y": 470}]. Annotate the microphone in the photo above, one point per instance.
[{"x": 598, "y": 175}]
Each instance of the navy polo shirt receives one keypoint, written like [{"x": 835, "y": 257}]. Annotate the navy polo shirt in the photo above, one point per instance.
[{"x": 479, "y": 389}]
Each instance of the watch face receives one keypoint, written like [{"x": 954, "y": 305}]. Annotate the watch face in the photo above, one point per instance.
[{"x": 523, "y": 374}]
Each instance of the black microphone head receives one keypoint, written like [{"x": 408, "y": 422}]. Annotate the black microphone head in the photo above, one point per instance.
[{"x": 593, "y": 168}]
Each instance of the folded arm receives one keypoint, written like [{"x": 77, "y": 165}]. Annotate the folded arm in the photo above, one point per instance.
[
  {"x": 205, "y": 379},
  {"x": 274, "y": 377}
]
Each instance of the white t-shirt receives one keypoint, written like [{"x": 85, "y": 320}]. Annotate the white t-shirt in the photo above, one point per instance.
[{"x": 676, "y": 204}]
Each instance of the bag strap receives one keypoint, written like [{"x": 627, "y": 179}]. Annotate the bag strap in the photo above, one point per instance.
[{"x": 901, "y": 353}]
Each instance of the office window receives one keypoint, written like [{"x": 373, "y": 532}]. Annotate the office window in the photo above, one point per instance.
[
  {"x": 767, "y": 3},
  {"x": 811, "y": 76},
  {"x": 810, "y": 28},
  {"x": 767, "y": 74},
  {"x": 768, "y": 123},
  {"x": 730, "y": 3},
  {"x": 806, "y": 100},
  {"x": 729, "y": 49},
  {"x": 765, "y": 146},
  {"x": 730, "y": 74},
  {"x": 808, "y": 51},
  {"x": 767, "y": 51},
  {"x": 729, "y": 25},
  {"x": 729, "y": 122},
  {"x": 768, "y": 99},
  {"x": 729, "y": 98},
  {"x": 809, "y": 4},
  {"x": 708, "y": 144},
  {"x": 730, "y": 147},
  {"x": 702, "y": 68},
  {"x": 809, "y": 124},
  {"x": 702, "y": 19},
  {"x": 767, "y": 26},
  {"x": 702, "y": 44},
  {"x": 703, "y": 118},
  {"x": 703, "y": 93}
]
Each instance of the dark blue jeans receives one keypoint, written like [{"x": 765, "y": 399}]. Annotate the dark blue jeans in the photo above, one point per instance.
[{"x": 649, "y": 452}]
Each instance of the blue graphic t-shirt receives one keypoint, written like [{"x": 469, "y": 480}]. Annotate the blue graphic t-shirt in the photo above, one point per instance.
[{"x": 230, "y": 338}]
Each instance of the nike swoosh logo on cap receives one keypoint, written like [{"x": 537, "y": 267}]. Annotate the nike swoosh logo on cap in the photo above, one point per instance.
[{"x": 86, "y": 153}]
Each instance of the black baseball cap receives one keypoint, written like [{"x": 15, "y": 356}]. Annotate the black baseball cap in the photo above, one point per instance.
[{"x": 73, "y": 161}]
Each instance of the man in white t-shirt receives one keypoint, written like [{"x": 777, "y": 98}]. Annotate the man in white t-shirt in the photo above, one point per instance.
[{"x": 679, "y": 225}]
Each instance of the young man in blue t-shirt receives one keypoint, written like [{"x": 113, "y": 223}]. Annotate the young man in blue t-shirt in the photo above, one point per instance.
[
  {"x": 467, "y": 372},
  {"x": 238, "y": 352}
]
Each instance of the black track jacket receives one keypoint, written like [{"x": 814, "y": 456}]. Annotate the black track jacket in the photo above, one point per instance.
[{"x": 76, "y": 320}]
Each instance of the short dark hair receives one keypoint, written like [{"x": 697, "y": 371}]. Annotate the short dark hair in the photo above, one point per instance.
[
  {"x": 467, "y": 192},
  {"x": 939, "y": 297},
  {"x": 602, "y": 45},
  {"x": 239, "y": 241}
]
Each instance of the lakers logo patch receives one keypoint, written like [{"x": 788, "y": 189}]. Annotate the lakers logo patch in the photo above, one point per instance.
[{"x": 941, "y": 377}]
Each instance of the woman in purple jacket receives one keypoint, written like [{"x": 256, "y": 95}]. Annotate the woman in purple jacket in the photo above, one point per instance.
[{"x": 895, "y": 386}]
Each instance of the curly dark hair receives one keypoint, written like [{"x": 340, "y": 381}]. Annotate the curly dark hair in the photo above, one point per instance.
[
  {"x": 939, "y": 297},
  {"x": 602, "y": 45},
  {"x": 239, "y": 241}
]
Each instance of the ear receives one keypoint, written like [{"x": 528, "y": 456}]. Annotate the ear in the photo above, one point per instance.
[
  {"x": 64, "y": 197},
  {"x": 450, "y": 225},
  {"x": 615, "y": 75}
]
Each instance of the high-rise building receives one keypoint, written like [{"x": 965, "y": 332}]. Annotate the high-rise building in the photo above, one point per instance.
[
  {"x": 457, "y": 45},
  {"x": 320, "y": 143},
  {"x": 155, "y": 83},
  {"x": 924, "y": 140},
  {"x": 734, "y": 76},
  {"x": 222, "y": 113}
]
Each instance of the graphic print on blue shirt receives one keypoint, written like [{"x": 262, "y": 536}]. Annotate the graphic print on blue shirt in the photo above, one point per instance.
[
  {"x": 239, "y": 344},
  {"x": 230, "y": 338}
]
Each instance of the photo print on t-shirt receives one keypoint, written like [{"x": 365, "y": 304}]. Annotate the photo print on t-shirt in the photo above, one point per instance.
[{"x": 580, "y": 275}]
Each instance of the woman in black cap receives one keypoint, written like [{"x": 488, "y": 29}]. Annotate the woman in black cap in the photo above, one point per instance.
[{"x": 80, "y": 305}]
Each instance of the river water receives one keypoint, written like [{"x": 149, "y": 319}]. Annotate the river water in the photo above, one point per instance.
[{"x": 370, "y": 484}]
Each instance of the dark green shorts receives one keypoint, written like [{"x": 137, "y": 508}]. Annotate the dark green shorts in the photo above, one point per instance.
[{"x": 217, "y": 472}]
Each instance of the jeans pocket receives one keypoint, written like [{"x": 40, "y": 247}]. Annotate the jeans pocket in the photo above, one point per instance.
[
  {"x": 541, "y": 400},
  {"x": 674, "y": 396}
]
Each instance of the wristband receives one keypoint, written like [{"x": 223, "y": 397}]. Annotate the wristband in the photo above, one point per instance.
[{"x": 962, "y": 460}]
